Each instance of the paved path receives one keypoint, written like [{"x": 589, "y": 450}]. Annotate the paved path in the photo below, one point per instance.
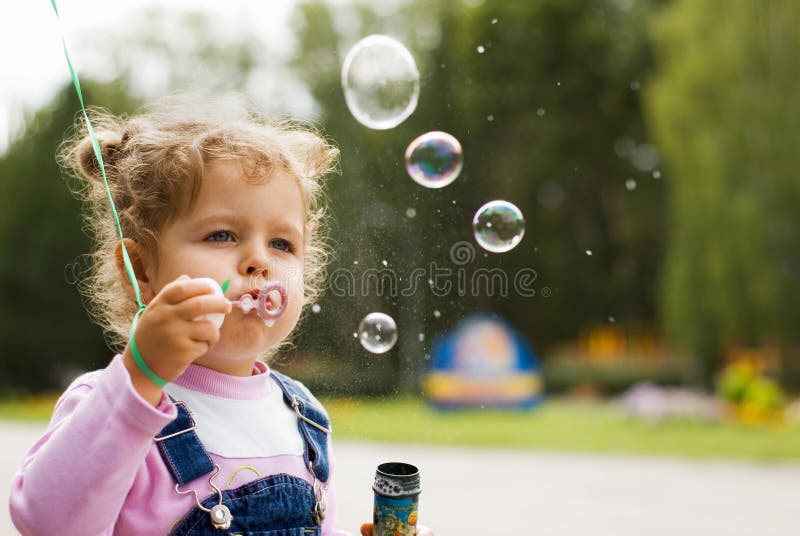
[{"x": 496, "y": 492}]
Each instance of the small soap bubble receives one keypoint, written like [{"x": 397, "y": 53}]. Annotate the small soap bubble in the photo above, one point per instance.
[
  {"x": 421, "y": 337},
  {"x": 355, "y": 335},
  {"x": 656, "y": 174},
  {"x": 540, "y": 112},
  {"x": 384, "y": 262},
  {"x": 611, "y": 319},
  {"x": 635, "y": 85},
  {"x": 355, "y": 262},
  {"x": 380, "y": 81},
  {"x": 377, "y": 332},
  {"x": 589, "y": 252},
  {"x": 316, "y": 308},
  {"x": 494, "y": 21},
  {"x": 434, "y": 159},
  {"x": 481, "y": 49},
  {"x": 490, "y": 118},
  {"x": 630, "y": 184},
  {"x": 499, "y": 226},
  {"x": 436, "y": 313},
  {"x": 411, "y": 212}
]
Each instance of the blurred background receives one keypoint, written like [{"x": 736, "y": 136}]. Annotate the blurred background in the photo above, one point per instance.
[{"x": 648, "y": 144}]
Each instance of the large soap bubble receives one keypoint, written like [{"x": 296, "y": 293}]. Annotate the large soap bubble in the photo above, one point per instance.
[
  {"x": 434, "y": 160},
  {"x": 377, "y": 332},
  {"x": 499, "y": 226},
  {"x": 380, "y": 81}
]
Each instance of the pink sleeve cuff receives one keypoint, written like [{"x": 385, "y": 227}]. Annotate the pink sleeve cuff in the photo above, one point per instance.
[{"x": 130, "y": 405}]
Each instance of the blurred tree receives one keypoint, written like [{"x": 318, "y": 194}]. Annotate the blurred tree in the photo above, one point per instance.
[
  {"x": 718, "y": 108},
  {"x": 549, "y": 118},
  {"x": 548, "y": 114}
]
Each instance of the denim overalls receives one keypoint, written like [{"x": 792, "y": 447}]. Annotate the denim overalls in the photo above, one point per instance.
[{"x": 276, "y": 505}]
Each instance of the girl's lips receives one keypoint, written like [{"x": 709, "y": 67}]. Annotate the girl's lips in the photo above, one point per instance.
[
  {"x": 248, "y": 295},
  {"x": 272, "y": 300}
]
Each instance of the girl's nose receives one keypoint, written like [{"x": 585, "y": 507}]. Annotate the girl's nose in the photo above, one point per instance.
[
  {"x": 256, "y": 270},
  {"x": 256, "y": 262}
]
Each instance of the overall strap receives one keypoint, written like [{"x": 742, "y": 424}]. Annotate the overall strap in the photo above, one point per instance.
[
  {"x": 312, "y": 422},
  {"x": 181, "y": 449}
]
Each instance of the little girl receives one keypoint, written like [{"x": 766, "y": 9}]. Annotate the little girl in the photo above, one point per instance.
[{"x": 187, "y": 431}]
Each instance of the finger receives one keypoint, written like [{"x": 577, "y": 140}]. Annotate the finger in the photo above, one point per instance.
[
  {"x": 366, "y": 529},
  {"x": 422, "y": 530},
  {"x": 182, "y": 289},
  {"x": 191, "y": 308},
  {"x": 203, "y": 331}
]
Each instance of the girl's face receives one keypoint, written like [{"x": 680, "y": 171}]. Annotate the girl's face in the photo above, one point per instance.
[{"x": 246, "y": 233}]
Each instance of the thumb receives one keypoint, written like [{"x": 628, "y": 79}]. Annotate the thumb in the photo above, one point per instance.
[{"x": 366, "y": 529}]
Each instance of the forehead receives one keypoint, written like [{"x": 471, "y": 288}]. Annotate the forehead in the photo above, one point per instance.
[{"x": 227, "y": 185}]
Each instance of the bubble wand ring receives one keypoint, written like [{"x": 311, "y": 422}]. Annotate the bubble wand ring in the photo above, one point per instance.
[{"x": 263, "y": 303}]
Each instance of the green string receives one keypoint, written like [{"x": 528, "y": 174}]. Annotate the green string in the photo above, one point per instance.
[
  {"x": 155, "y": 378},
  {"x": 125, "y": 258}
]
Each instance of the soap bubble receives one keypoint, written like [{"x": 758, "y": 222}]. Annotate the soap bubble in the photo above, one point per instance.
[
  {"x": 380, "y": 81},
  {"x": 499, "y": 226},
  {"x": 434, "y": 160},
  {"x": 377, "y": 332}
]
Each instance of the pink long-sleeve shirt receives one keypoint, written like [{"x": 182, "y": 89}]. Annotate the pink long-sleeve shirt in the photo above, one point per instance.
[{"x": 97, "y": 470}]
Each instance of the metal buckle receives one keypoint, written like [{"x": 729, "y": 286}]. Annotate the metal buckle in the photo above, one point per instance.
[
  {"x": 296, "y": 407},
  {"x": 220, "y": 514},
  {"x": 320, "y": 507},
  {"x": 175, "y": 434}
]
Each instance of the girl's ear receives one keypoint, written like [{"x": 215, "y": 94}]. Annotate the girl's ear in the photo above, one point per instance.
[{"x": 141, "y": 263}]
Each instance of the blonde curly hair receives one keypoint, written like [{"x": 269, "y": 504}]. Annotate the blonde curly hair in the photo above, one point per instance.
[{"x": 154, "y": 163}]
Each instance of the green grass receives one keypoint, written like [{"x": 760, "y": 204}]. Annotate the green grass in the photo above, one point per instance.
[
  {"x": 559, "y": 426},
  {"x": 37, "y": 408}
]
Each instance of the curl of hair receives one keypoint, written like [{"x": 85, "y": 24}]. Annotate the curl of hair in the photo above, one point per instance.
[{"x": 154, "y": 164}]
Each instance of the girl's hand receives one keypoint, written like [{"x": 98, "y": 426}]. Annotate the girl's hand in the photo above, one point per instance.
[
  {"x": 366, "y": 530},
  {"x": 169, "y": 338}
]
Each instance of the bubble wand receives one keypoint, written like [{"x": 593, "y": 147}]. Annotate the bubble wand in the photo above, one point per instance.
[{"x": 269, "y": 301}]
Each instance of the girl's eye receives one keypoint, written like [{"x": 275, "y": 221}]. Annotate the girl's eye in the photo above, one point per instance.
[
  {"x": 281, "y": 244},
  {"x": 220, "y": 236}
]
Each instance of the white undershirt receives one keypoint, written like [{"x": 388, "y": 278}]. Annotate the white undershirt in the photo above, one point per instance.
[{"x": 233, "y": 428}]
